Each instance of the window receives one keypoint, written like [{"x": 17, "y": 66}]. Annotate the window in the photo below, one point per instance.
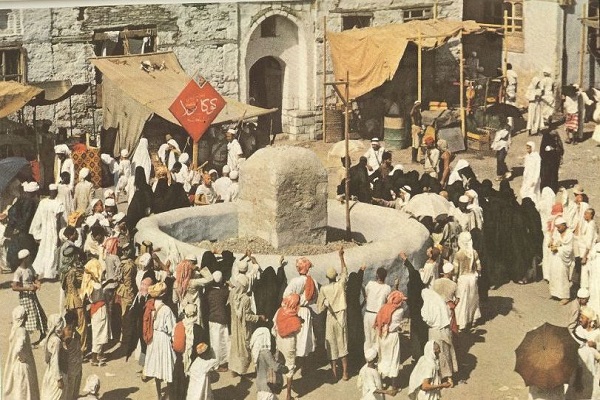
[
  {"x": 417, "y": 13},
  {"x": 514, "y": 32},
  {"x": 13, "y": 65},
  {"x": 593, "y": 31},
  {"x": 123, "y": 41},
  {"x": 11, "y": 22},
  {"x": 268, "y": 28},
  {"x": 493, "y": 12},
  {"x": 355, "y": 21}
]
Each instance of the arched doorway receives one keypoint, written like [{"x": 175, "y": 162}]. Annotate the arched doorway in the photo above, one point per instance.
[{"x": 266, "y": 90}]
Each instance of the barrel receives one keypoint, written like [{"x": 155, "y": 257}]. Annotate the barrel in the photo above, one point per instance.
[
  {"x": 395, "y": 133},
  {"x": 334, "y": 128}
]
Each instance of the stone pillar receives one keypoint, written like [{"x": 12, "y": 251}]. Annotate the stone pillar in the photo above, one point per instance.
[{"x": 283, "y": 197}]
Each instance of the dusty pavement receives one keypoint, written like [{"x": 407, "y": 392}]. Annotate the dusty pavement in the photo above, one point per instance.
[{"x": 486, "y": 357}]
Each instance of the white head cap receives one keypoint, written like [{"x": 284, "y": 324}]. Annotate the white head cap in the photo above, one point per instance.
[
  {"x": 531, "y": 144},
  {"x": 124, "y": 153},
  {"x": 22, "y": 254},
  {"x": 110, "y": 202},
  {"x": 217, "y": 276},
  {"x": 53, "y": 187},
  {"x": 191, "y": 257},
  {"x": 560, "y": 221},
  {"x": 231, "y": 131},
  {"x": 213, "y": 171},
  {"x": 447, "y": 268},
  {"x": 233, "y": 175},
  {"x": 62, "y": 149},
  {"x": 226, "y": 169},
  {"x": 463, "y": 199},
  {"x": 583, "y": 293},
  {"x": 118, "y": 217}
]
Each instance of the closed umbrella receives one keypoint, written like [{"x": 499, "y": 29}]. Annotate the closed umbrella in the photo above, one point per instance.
[
  {"x": 547, "y": 356},
  {"x": 427, "y": 205},
  {"x": 9, "y": 168}
]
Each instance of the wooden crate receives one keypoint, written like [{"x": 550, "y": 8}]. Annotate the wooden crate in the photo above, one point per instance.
[{"x": 479, "y": 141}]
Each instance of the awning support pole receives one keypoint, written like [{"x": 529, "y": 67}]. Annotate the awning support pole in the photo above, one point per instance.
[
  {"x": 324, "y": 79},
  {"x": 419, "y": 66},
  {"x": 347, "y": 160},
  {"x": 582, "y": 48},
  {"x": 463, "y": 127},
  {"x": 195, "y": 154}
]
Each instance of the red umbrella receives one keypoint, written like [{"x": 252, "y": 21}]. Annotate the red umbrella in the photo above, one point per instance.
[{"x": 547, "y": 356}]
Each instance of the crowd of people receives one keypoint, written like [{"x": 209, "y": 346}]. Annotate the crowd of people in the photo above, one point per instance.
[{"x": 188, "y": 319}]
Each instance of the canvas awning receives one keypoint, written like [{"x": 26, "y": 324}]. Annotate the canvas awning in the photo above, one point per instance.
[
  {"x": 372, "y": 55},
  {"x": 14, "y": 96},
  {"x": 153, "y": 93},
  {"x": 56, "y": 91}
]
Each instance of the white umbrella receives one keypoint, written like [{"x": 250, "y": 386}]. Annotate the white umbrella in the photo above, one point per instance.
[
  {"x": 339, "y": 149},
  {"x": 427, "y": 204}
]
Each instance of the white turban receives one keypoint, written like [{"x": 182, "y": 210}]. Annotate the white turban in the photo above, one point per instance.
[
  {"x": 370, "y": 354},
  {"x": 31, "y": 187},
  {"x": 583, "y": 293},
  {"x": 226, "y": 169},
  {"x": 53, "y": 186},
  {"x": 124, "y": 153},
  {"x": 172, "y": 142},
  {"x": 184, "y": 158},
  {"x": 108, "y": 193},
  {"x": 62, "y": 149},
  {"x": 231, "y": 131},
  {"x": 118, "y": 217},
  {"x": 560, "y": 221},
  {"x": 463, "y": 199},
  {"x": 531, "y": 144},
  {"x": 144, "y": 259},
  {"x": 447, "y": 268},
  {"x": 22, "y": 254},
  {"x": 110, "y": 202},
  {"x": 83, "y": 173}
]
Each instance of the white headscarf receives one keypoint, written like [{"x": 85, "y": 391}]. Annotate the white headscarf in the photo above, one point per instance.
[
  {"x": 261, "y": 340},
  {"x": 465, "y": 243},
  {"x": 92, "y": 384},
  {"x": 141, "y": 158},
  {"x": 546, "y": 202},
  {"x": 56, "y": 323},
  {"x": 595, "y": 251},
  {"x": 473, "y": 196},
  {"x": 19, "y": 314},
  {"x": 190, "y": 316},
  {"x": 435, "y": 312},
  {"x": 427, "y": 367},
  {"x": 454, "y": 175}
]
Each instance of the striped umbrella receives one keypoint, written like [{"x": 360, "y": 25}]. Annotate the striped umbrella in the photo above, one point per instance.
[{"x": 9, "y": 168}]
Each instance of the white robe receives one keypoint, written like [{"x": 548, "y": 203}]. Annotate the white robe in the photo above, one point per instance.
[
  {"x": 368, "y": 382},
  {"x": 531, "y": 176},
  {"x": 44, "y": 228},
  {"x": 594, "y": 278},
  {"x": 66, "y": 166},
  {"x": 199, "y": 386},
  {"x": 305, "y": 339},
  {"x": 20, "y": 376},
  {"x": 234, "y": 154},
  {"x": 160, "y": 357},
  {"x": 65, "y": 195},
  {"x": 560, "y": 264},
  {"x": 388, "y": 347},
  {"x": 50, "y": 389}
]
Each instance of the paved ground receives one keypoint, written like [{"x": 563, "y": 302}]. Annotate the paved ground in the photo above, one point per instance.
[{"x": 486, "y": 357}]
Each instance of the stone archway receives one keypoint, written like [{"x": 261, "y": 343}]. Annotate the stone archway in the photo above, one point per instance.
[
  {"x": 265, "y": 86},
  {"x": 278, "y": 36}
]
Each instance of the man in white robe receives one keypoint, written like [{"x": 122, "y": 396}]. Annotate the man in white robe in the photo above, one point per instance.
[
  {"x": 234, "y": 151},
  {"x": 374, "y": 156},
  {"x": 169, "y": 152},
  {"x": 574, "y": 215},
  {"x": 547, "y": 96},
  {"x": 561, "y": 261},
  {"x": 534, "y": 110},
  {"x": 84, "y": 190},
  {"x": 588, "y": 235},
  {"x": 64, "y": 163},
  {"x": 222, "y": 184},
  {"x": 531, "y": 173},
  {"x": 44, "y": 229}
]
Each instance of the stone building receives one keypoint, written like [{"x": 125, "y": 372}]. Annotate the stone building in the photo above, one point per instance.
[
  {"x": 267, "y": 53},
  {"x": 543, "y": 33}
]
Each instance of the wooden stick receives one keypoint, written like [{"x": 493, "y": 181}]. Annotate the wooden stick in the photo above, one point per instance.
[
  {"x": 347, "y": 160},
  {"x": 582, "y": 48},
  {"x": 324, "y": 78}
]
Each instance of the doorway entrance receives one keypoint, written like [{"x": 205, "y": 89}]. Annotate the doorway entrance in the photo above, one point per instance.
[{"x": 266, "y": 90}]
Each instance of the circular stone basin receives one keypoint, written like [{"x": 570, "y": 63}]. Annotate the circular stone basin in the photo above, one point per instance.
[{"x": 385, "y": 232}]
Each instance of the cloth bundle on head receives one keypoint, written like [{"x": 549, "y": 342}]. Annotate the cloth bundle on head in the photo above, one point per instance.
[
  {"x": 30, "y": 187},
  {"x": 22, "y": 254},
  {"x": 62, "y": 149},
  {"x": 75, "y": 218},
  {"x": 217, "y": 276},
  {"x": 92, "y": 385},
  {"x": 260, "y": 340},
  {"x": 303, "y": 264},
  {"x": 583, "y": 293},
  {"x": 144, "y": 260},
  {"x": 84, "y": 173},
  {"x": 287, "y": 321},
  {"x": 384, "y": 316},
  {"x": 157, "y": 290},
  {"x": 370, "y": 354}
]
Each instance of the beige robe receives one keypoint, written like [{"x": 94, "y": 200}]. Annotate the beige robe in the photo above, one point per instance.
[
  {"x": 332, "y": 299},
  {"x": 20, "y": 375},
  {"x": 242, "y": 325}
]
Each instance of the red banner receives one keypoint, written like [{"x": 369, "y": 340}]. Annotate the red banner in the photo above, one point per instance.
[{"x": 197, "y": 106}]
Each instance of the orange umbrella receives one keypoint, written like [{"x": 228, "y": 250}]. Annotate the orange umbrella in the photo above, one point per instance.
[{"x": 547, "y": 356}]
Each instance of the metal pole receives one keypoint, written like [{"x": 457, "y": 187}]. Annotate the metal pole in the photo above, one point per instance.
[
  {"x": 582, "y": 48},
  {"x": 324, "y": 78},
  {"x": 419, "y": 66},
  {"x": 347, "y": 161},
  {"x": 463, "y": 128}
]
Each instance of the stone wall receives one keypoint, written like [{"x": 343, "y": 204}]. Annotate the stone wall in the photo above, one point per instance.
[{"x": 221, "y": 41}]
